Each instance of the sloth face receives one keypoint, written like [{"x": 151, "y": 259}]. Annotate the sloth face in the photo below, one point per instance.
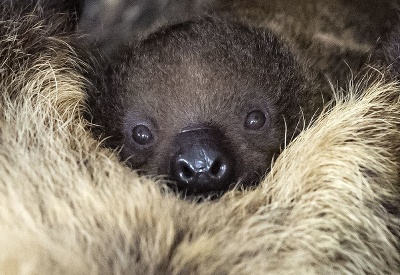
[{"x": 208, "y": 104}]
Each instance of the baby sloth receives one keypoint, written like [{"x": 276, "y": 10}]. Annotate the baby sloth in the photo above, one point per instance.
[{"x": 207, "y": 103}]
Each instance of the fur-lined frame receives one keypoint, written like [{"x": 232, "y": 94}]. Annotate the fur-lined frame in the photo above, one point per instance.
[{"x": 67, "y": 206}]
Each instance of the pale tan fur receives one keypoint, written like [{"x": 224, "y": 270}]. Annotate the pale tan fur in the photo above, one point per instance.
[{"x": 67, "y": 206}]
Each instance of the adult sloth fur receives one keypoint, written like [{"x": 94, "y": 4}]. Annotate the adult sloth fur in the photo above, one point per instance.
[
  {"x": 329, "y": 206},
  {"x": 335, "y": 36}
]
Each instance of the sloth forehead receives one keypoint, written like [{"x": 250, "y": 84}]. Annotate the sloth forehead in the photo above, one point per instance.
[
  {"x": 197, "y": 95},
  {"x": 197, "y": 86},
  {"x": 204, "y": 69},
  {"x": 190, "y": 76},
  {"x": 219, "y": 44}
]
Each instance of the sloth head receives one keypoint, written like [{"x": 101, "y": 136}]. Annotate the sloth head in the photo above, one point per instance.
[{"x": 206, "y": 103}]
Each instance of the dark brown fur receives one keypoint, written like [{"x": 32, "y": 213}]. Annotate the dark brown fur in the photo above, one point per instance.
[
  {"x": 207, "y": 72},
  {"x": 212, "y": 72}
]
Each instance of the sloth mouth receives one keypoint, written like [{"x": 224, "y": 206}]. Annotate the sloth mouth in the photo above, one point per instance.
[{"x": 246, "y": 182}]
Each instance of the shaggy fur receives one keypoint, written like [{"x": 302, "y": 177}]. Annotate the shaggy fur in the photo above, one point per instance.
[
  {"x": 111, "y": 23},
  {"x": 338, "y": 37},
  {"x": 67, "y": 206}
]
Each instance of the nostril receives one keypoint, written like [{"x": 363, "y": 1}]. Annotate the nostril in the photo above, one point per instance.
[
  {"x": 218, "y": 168},
  {"x": 201, "y": 163},
  {"x": 185, "y": 171}
]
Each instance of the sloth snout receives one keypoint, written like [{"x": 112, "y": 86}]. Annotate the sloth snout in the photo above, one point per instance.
[{"x": 202, "y": 163}]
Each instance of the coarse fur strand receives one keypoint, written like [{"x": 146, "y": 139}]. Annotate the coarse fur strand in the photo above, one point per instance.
[{"x": 67, "y": 206}]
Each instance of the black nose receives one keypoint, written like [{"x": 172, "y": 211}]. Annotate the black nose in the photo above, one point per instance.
[{"x": 202, "y": 162}]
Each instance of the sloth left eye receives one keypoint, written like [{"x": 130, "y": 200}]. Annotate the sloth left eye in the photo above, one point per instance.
[
  {"x": 142, "y": 135},
  {"x": 255, "y": 120}
]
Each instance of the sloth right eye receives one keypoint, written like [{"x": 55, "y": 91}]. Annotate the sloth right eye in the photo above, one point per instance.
[{"x": 142, "y": 135}]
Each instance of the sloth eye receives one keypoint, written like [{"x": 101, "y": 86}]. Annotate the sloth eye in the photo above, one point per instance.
[
  {"x": 255, "y": 120},
  {"x": 142, "y": 135}
]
